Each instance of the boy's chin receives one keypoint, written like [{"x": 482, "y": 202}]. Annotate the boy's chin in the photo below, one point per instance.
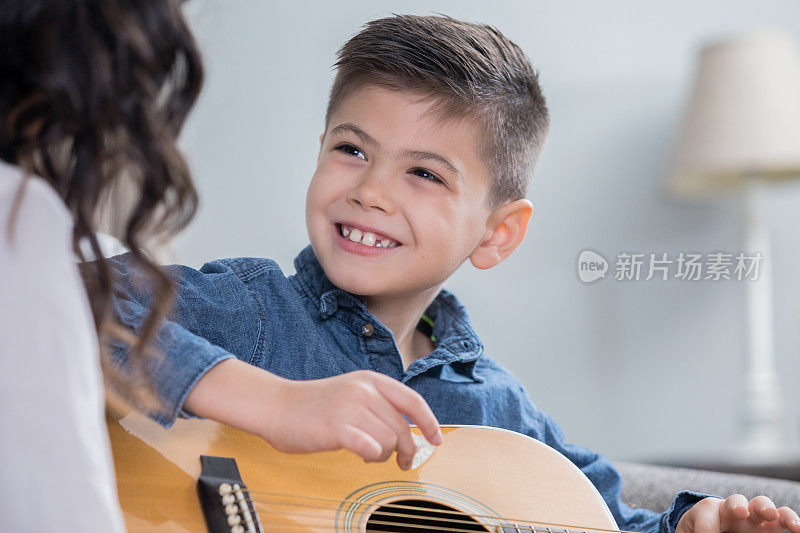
[
  {"x": 360, "y": 287},
  {"x": 355, "y": 286}
]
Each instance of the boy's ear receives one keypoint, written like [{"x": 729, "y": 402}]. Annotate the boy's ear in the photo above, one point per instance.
[{"x": 505, "y": 229}]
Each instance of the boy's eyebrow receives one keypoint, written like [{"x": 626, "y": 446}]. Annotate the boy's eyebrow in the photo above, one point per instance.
[
  {"x": 367, "y": 139},
  {"x": 416, "y": 154}
]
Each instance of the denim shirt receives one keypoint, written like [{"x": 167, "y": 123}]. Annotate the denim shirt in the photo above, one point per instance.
[{"x": 303, "y": 327}]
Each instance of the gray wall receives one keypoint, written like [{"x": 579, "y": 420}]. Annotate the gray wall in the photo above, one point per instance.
[{"x": 636, "y": 370}]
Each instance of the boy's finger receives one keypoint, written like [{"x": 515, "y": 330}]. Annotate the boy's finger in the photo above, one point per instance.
[
  {"x": 392, "y": 417},
  {"x": 705, "y": 517},
  {"x": 410, "y": 403},
  {"x": 359, "y": 442},
  {"x": 762, "y": 510},
  {"x": 378, "y": 430},
  {"x": 789, "y": 519},
  {"x": 733, "y": 509}
]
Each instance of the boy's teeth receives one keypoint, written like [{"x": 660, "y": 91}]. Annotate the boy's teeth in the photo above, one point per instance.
[
  {"x": 355, "y": 235},
  {"x": 366, "y": 238}
]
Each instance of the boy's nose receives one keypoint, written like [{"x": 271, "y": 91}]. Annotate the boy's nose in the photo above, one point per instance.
[{"x": 372, "y": 192}]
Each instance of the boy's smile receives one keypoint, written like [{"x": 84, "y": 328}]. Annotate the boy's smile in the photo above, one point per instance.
[{"x": 399, "y": 197}]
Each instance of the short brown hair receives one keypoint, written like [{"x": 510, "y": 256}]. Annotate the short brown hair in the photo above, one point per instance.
[{"x": 470, "y": 70}]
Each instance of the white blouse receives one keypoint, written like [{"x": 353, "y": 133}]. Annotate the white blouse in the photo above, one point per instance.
[{"x": 56, "y": 471}]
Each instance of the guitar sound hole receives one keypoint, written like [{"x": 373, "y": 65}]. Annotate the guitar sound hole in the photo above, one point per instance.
[{"x": 415, "y": 515}]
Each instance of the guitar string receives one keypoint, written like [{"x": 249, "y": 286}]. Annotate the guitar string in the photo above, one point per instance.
[
  {"x": 565, "y": 527},
  {"x": 398, "y": 515},
  {"x": 382, "y": 513},
  {"x": 490, "y": 528},
  {"x": 327, "y": 525},
  {"x": 517, "y": 527},
  {"x": 528, "y": 525},
  {"x": 420, "y": 526}
]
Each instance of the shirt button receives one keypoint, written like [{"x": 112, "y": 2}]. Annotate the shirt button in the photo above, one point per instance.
[{"x": 367, "y": 330}]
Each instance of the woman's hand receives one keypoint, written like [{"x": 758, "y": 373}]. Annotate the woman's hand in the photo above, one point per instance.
[
  {"x": 737, "y": 515},
  {"x": 359, "y": 411}
]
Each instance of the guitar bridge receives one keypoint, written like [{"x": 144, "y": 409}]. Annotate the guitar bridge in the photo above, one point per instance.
[{"x": 224, "y": 498}]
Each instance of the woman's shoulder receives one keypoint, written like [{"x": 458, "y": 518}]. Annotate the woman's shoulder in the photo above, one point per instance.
[
  {"x": 31, "y": 212},
  {"x": 31, "y": 190}
]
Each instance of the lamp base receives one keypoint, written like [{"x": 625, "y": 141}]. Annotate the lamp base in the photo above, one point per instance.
[{"x": 763, "y": 426}]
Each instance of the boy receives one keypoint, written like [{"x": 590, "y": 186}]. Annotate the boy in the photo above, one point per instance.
[{"x": 432, "y": 130}]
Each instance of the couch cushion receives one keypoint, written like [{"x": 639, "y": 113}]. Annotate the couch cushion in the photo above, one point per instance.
[{"x": 653, "y": 487}]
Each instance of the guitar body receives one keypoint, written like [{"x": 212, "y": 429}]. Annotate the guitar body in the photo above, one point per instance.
[{"x": 480, "y": 479}]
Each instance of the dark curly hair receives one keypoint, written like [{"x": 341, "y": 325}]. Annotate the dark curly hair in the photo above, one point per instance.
[{"x": 93, "y": 93}]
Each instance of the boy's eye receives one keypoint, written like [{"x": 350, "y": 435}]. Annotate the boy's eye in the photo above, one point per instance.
[
  {"x": 352, "y": 150},
  {"x": 427, "y": 174}
]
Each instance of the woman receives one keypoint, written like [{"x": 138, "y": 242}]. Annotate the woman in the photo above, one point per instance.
[
  {"x": 92, "y": 96},
  {"x": 92, "y": 93}
]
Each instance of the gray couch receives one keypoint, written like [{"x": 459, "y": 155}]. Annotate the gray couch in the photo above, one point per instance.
[{"x": 653, "y": 487}]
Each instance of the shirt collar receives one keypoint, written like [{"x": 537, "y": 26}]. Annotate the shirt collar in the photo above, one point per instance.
[
  {"x": 455, "y": 337},
  {"x": 317, "y": 285}
]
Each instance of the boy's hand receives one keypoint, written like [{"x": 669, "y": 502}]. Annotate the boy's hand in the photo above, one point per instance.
[
  {"x": 360, "y": 411},
  {"x": 737, "y": 515}
]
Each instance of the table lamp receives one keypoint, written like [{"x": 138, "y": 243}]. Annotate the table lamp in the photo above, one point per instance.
[{"x": 742, "y": 131}]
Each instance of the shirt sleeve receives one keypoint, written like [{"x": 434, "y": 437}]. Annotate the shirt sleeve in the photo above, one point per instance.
[
  {"x": 213, "y": 318},
  {"x": 605, "y": 477}
]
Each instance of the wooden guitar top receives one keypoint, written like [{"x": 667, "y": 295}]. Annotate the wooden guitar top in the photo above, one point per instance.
[{"x": 506, "y": 481}]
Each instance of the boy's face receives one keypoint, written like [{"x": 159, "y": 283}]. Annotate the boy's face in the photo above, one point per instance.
[{"x": 388, "y": 170}]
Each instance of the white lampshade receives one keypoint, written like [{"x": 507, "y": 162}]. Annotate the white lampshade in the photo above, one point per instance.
[{"x": 743, "y": 115}]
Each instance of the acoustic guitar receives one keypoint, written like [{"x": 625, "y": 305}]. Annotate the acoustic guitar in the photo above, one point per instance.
[{"x": 203, "y": 476}]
